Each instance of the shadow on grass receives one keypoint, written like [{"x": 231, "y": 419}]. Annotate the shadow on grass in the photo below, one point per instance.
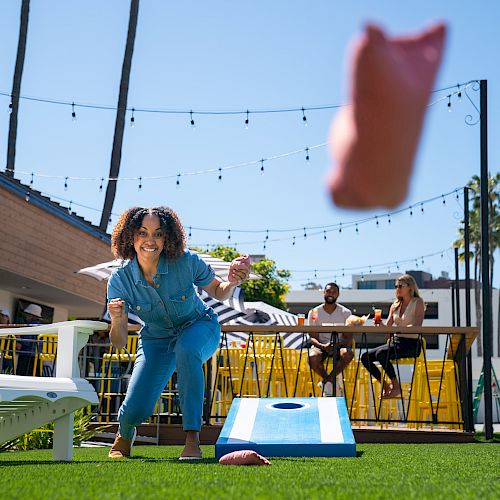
[
  {"x": 479, "y": 437},
  {"x": 174, "y": 460}
]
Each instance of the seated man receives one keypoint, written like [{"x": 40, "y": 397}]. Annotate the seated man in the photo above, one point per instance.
[{"x": 322, "y": 346}]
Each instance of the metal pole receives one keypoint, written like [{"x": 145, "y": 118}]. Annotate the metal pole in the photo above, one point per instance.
[
  {"x": 485, "y": 263},
  {"x": 464, "y": 380},
  {"x": 457, "y": 288},
  {"x": 467, "y": 257},
  {"x": 453, "y": 307},
  {"x": 468, "y": 298}
]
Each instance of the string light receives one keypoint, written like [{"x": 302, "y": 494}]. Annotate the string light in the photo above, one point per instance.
[
  {"x": 10, "y": 107},
  {"x": 192, "y": 121},
  {"x": 140, "y": 184},
  {"x": 31, "y": 182},
  {"x": 307, "y": 154},
  {"x": 73, "y": 113},
  {"x": 132, "y": 119},
  {"x": 100, "y": 185},
  {"x": 220, "y": 174},
  {"x": 459, "y": 93},
  {"x": 228, "y": 234},
  {"x": 306, "y": 230},
  {"x": 444, "y": 201},
  {"x": 69, "y": 208},
  {"x": 178, "y": 181},
  {"x": 189, "y": 236},
  {"x": 422, "y": 207},
  {"x": 411, "y": 211},
  {"x": 293, "y": 241},
  {"x": 65, "y": 184},
  {"x": 370, "y": 268},
  {"x": 457, "y": 90},
  {"x": 246, "y": 120},
  {"x": 324, "y": 235},
  {"x": 193, "y": 173},
  {"x": 449, "y": 103},
  {"x": 262, "y": 166},
  {"x": 27, "y": 197}
]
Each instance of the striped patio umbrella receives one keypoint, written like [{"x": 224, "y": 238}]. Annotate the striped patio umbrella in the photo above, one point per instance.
[{"x": 261, "y": 313}]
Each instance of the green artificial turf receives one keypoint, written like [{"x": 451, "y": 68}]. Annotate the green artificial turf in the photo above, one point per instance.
[{"x": 380, "y": 471}]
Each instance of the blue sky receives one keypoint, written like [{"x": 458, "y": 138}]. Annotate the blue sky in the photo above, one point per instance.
[{"x": 225, "y": 55}]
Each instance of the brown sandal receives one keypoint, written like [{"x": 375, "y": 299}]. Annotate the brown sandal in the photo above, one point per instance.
[{"x": 122, "y": 447}]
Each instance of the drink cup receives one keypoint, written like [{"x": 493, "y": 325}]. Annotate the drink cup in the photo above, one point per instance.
[
  {"x": 300, "y": 319},
  {"x": 314, "y": 315},
  {"x": 377, "y": 318}
]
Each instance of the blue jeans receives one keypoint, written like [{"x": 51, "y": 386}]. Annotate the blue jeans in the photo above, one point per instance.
[{"x": 155, "y": 363}]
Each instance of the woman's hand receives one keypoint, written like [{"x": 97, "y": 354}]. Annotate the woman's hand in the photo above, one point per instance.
[
  {"x": 239, "y": 270},
  {"x": 116, "y": 309}
]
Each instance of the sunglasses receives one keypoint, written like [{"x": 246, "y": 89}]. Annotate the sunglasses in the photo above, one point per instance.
[{"x": 400, "y": 285}]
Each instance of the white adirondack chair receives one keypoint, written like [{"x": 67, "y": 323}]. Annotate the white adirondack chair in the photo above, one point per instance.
[{"x": 26, "y": 403}]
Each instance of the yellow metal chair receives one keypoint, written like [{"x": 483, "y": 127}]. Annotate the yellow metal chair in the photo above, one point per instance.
[
  {"x": 110, "y": 386},
  {"x": 46, "y": 352},
  {"x": 232, "y": 378},
  {"x": 436, "y": 396},
  {"x": 8, "y": 353},
  {"x": 391, "y": 410}
]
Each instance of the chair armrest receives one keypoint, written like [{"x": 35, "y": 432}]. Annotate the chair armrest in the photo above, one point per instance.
[{"x": 72, "y": 337}]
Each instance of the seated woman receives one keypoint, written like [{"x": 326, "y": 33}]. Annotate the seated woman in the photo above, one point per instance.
[{"x": 407, "y": 310}]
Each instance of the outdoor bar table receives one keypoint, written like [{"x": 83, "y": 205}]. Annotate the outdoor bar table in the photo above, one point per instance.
[{"x": 461, "y": 339}]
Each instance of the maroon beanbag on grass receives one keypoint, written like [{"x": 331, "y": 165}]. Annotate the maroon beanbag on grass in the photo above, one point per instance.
[
  {"x": 375, "y": 138},
  {"x": 244, "y": 457}
]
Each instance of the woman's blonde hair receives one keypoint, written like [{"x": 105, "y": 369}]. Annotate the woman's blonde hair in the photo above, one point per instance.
[{"x": 409, "y": 280}]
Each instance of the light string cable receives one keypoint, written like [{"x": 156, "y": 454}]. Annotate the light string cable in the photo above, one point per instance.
[
  {"x": 134, "y": 110},
  {"x": 304, "y": 232},
  {"x": 366, "y": 270},
  {"x": 301, "y": 232},
  {"x": 218, "y": 170}
]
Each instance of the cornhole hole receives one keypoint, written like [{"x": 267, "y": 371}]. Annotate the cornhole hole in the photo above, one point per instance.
[{"x": 288, "y": 427}]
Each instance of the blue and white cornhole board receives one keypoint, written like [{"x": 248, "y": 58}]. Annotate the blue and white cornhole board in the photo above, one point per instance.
[{"x": 288, "y": 427}]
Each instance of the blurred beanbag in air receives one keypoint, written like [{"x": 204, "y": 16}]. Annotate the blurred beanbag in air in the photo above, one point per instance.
[{"x": 374, "y": 139}]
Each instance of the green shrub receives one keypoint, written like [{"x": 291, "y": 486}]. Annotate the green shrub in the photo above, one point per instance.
[{"x": 41, "y": 439}]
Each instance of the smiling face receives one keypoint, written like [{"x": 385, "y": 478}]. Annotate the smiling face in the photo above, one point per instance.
[
  {"x": 331, "y": 294},
  {"x": 149, "y": 239}
]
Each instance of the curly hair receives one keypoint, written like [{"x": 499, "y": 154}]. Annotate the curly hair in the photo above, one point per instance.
[{"x": 130, "y": 221}]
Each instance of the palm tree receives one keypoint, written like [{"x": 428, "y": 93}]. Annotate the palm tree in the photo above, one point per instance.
[
  {"x": 116, "y": 154},
  {"x": 475, "y": 238},
  {"x": 16, "y": 87}
]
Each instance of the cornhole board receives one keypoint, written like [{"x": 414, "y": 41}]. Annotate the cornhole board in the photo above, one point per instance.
[{"x": 288, "y": 427}]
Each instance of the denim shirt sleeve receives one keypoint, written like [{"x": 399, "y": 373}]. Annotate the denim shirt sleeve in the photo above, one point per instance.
[
  {"x": 203, "y": 274},
  {"x": 116, "y": 289}
]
